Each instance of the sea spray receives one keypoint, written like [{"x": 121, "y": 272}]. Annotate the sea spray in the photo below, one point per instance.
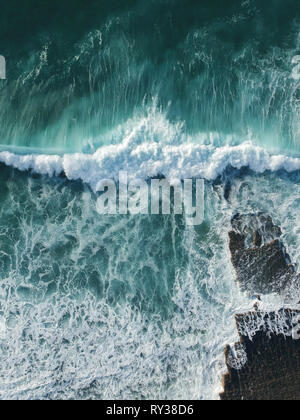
[{"x": 146, "y": 160}]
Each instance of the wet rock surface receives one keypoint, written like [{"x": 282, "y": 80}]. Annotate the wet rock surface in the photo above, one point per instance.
[
  {"x": 267, "y": 365},
  {"x": 259, "y": 257}
]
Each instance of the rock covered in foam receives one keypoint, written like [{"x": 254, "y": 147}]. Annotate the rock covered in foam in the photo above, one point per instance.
[
  {"x": 258, "y": 256},
  {"x": 265, "y": 364}
]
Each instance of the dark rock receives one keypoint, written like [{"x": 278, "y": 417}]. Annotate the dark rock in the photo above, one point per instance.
[
  {"x": 267, "y": 365},
  {"x": 257, "y": 239},
  {"x": 248, "y": 224},
  {"x": 258, "y": 256}
]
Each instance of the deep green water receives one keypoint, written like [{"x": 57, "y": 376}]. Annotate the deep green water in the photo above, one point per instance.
[
  {"x": 136, "y": 307},
  {"x": 78, "y": 70}
]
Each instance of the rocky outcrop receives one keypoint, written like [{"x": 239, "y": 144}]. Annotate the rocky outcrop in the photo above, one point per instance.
[
  {"x": 259, "y": 257},
  {"x": 265, "y": 364}
]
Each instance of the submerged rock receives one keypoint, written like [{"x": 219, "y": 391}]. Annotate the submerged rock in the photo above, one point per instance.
[
  {"x": 265, "y": 364},
  {"x": 259, "y": 257}
]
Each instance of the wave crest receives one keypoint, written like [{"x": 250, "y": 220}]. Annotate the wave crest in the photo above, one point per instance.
[{"x": 143, "y": 159}]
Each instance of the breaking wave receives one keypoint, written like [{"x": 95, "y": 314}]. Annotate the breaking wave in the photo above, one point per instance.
[{"x": 155, "y": 147}]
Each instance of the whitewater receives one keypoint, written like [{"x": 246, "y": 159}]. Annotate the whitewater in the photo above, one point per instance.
[
  {"x": 138, "y": 307},
  {"x": 145, "y": 159},
  {"x": 121, "y": 316}
]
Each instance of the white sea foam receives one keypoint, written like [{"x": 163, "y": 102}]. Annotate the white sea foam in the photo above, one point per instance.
[
  {"x": 143, "y": 157},
  {"x": 119, "y": 352}
]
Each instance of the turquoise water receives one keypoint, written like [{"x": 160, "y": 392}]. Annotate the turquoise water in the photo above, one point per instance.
[
  {"x": 78, "y": 73},
  {"x": 136, "y": 307}
]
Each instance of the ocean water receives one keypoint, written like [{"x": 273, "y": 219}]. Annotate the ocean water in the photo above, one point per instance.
[{"x": 137, "y": 307}]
